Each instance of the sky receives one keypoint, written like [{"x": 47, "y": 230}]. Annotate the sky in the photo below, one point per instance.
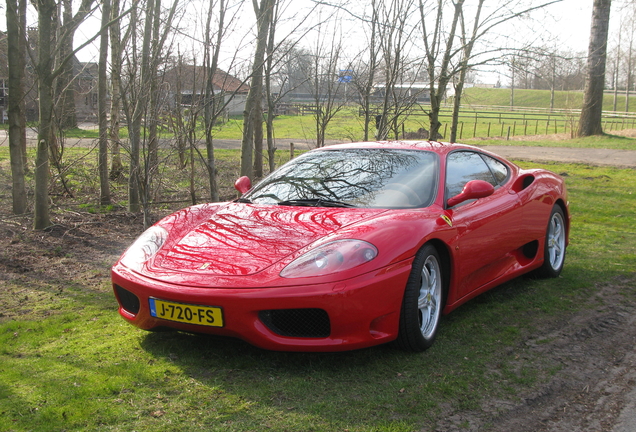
[{"x": 571, "y": 22}]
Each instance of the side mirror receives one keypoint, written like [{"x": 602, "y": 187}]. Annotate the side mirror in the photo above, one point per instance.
[
  {"x": 243, "y": 184},
  {"x": 472, "y": 190}
]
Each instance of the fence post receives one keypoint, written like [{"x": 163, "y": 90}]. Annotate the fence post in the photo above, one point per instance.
[
  {"x": 445, "y": 127},
  {"x": 536, "y": 127},
  {"x": 475, "y": 130},
  {"x": 508, "y": 137},
  {"x": 461, "y": 130},
  {"x": 489, "y": 123},
  {"x": 502, "y": 128},
  {"x": 514, "y": 128},
  {"x": 525, "y": 127},
  {"x": 291, "y": 151}
]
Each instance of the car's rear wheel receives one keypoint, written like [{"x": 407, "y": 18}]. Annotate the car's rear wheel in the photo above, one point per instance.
[
  {"x": 422, "y": 303},
  {"x": 554, "y": 249}
]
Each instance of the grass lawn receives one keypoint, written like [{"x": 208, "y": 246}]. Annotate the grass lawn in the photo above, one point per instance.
[{"x": 69, "y": 362}]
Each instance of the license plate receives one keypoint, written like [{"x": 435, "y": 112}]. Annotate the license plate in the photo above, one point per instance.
[{"x": 186, "y": 313}]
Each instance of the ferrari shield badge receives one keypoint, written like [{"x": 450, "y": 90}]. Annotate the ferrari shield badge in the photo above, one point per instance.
[{"x": 447, "y": 220}]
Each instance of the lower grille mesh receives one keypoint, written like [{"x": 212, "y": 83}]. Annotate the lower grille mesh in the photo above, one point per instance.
[{"x": 308, "y": 323}]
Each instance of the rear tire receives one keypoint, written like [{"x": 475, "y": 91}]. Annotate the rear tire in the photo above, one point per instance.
[
  {"x": 422, "y": 303},
  {"x": 554, "y": 248}
]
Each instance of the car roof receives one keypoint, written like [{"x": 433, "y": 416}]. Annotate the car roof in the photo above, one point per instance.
[{"x": 434, "y": 146}]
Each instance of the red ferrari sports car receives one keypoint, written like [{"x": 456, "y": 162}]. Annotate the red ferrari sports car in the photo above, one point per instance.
[{"x": 346, "y": 247}]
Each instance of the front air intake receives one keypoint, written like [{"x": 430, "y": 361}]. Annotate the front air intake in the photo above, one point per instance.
[{"x": 128, "y": 300}]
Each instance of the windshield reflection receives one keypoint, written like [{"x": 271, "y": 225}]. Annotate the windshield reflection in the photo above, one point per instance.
[{"x": 380, "y": 178}]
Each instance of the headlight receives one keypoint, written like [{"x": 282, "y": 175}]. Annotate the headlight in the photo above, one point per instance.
[
  {"x": 330, "y": 258},
  {"x": 144, "y": 247}
]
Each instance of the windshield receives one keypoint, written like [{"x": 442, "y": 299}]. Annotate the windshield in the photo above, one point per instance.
[{"x": 384, "y": 178}]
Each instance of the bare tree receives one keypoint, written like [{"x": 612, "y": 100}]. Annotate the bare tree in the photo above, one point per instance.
[
  {"x": 253, "y": 114},
  {"x": 438, "y": 68},
  {"x": 397, "y": 88},
  {"x": 65, "y": 81},
  {"x": 591, "y": 113},
  {"x": 364, "y": 71},
  {"x": 323, "y": 83},
  {"x": 468, "y": 42},
  {"x": 45, "y": 76},
  {"x": 446, "y": 45},
  {"x": 143, "y": 75}
]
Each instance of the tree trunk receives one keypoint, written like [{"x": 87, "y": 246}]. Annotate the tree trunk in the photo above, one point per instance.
[
  {"x": 65, "y": 82},
  {"x": 373, "y": 62},
  {"x": 102, "y": 83},
  {"x": 512, "y": 83},
  {"x": 211, "y": 104},
  {"x": 271, "y": 102},
  {"x": 628, "y": 85},
  {"x": 46, "y": 10},
  {"x": 590, "y": 122},
  {"x": 15, "y": 53},
  {"x": 116, "y": 166},
  {"x": 152, "y": 120},
  {"x": 135, "y": 179}
]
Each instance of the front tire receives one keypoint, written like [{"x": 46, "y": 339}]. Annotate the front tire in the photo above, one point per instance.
[
  {"x": 554, "y": 248},
  {"x": 422, "y": 303}
]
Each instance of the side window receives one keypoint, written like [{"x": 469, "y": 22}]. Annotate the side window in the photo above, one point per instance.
[
  {"x": 462, "y": 167},
  {"x": 499, "y": 170}
]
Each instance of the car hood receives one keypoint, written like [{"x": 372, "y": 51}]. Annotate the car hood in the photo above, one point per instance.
[{"x": 243, "y": 239}]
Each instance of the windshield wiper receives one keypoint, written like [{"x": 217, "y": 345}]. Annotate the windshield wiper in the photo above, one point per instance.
[
  {"x": 243, "y": 200},
  {"x": 315, "y": 202}
]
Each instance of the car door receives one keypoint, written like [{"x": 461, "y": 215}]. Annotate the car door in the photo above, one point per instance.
[{"x": 487, "y": 228}]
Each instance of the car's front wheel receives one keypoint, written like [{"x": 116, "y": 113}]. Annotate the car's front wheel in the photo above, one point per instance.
[
  {"x": 554, "y": 249},
  {"x": 422, "y": 303}
]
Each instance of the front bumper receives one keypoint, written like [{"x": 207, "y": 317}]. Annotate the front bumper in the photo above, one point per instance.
[{"x": 360, "y": 312}]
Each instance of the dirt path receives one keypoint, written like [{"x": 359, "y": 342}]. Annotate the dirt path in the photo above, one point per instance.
[{"x": 592, "y": 156}]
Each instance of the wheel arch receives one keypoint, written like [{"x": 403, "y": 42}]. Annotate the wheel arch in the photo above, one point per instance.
[{"x": 446, "y": 264}]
